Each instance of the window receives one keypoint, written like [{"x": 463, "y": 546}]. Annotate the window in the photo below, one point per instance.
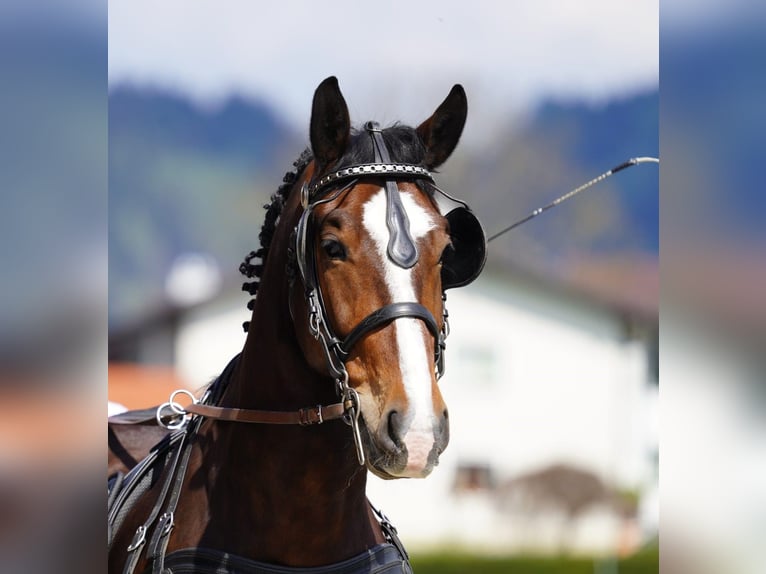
[{"x": 472, "y": 478}]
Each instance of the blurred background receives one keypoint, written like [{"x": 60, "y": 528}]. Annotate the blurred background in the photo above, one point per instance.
[{"x": 552, "y": 364}]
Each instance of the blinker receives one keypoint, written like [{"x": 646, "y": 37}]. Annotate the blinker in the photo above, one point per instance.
[{"x": 464, "y": 259}]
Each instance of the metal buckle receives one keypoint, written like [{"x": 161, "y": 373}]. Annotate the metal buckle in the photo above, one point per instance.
[
  {"x": 167, "y": 522},
  {"x": 305, "y": 416},
  {"x": 139, "y": 538},
  {"x": 351, "y": 417}
]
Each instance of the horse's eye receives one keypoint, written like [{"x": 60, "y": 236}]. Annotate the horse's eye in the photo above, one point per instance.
[{"x": 334, "y": 249}]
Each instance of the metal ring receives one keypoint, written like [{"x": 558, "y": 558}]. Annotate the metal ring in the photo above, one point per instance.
[
  {"x": 176, "y": 407},
  {"x": 180, "y": 423}
]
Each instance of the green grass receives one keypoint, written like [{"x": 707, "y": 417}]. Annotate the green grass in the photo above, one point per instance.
[{"x": 646, "y": 562}]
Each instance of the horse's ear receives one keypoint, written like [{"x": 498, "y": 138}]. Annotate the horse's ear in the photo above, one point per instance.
[
  {"x": 441, "y": 132},
  {"x": 330, "y": 124}
]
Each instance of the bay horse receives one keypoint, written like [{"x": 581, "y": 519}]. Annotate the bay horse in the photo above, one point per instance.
[{"x": 348, "y": 326}]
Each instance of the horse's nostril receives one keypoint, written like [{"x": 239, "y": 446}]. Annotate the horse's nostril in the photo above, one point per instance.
[
  {"x": 393, "y": 427},
  {"x": 445, "y": 414}
]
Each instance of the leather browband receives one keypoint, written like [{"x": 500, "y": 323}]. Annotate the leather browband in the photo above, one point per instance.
[{"x": 306, "y": 416}]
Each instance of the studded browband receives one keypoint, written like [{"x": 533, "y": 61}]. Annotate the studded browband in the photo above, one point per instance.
[{"x": 369, "y": 170}]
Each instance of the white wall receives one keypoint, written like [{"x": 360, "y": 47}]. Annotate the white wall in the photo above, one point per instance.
[{"x": 208, "y": 337}]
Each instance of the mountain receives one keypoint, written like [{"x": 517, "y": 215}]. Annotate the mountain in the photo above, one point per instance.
[
  {"x": 184, "y": 179},
  {"x": 606, "y": 136},
  {"x": 559, "y": 147},
  {"x": 240, "y": 130}
]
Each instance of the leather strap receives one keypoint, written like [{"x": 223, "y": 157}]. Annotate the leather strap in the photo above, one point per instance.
[
  {"x": 306, "y": 416},
  {"x": 385, "y": 315},
  {"x": 391, "y": 535},
  {"x": 401, "y": 247},
  {"x": 171, "y": 491},
  {"x": 139, "y": 538}
]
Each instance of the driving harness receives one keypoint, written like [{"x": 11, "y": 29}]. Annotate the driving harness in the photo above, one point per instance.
[
  {"x": 462, "y": 262},
  {"x": 168, "y": 462}
]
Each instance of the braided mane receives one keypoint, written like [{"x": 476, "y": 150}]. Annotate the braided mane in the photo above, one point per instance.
[{"x": 273, "y": 211}]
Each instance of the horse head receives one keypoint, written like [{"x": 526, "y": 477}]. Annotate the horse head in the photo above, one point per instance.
[{"x": 375, "y": 255}]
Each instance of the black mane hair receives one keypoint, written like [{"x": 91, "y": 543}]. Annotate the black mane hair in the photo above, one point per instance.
[
  {"x": 404, "y": 146},
  {"x": 273, "y": 211}
]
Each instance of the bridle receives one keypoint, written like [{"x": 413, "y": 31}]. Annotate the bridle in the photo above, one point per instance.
[
  {"x": 401, "y": 249},
  {"x": 462, "y": 262}
]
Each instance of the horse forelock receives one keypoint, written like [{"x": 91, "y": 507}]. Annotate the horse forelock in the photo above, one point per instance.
[{"x": 403, "y": 143}]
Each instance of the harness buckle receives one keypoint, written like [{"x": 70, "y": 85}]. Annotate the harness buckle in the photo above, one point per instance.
[
  {"x": 139, "y": 539},
  {"x": 305, "y": 416},
  {"x": 167, "y": 522},
  {"x": 315, "y": 320},
  {"x": 351, "y": 417}
]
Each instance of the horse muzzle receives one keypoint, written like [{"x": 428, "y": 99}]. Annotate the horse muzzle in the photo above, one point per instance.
[{"x": 402, "y": 448}]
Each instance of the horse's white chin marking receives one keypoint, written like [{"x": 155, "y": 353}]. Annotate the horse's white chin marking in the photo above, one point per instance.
[{"x": 418, "y": 422}]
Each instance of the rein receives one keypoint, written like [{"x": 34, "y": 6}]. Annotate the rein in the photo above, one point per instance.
[{"x": 624, "y": 165}]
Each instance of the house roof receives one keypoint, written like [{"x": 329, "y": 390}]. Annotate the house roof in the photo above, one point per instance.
[
  {"x": 140, "y": 386},
  {"x": 627, "y": 285}
]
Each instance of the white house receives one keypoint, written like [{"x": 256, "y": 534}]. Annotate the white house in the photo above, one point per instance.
[{"x": 535, "y": 377}]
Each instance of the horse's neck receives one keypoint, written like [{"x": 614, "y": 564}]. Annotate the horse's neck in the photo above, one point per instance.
[{"x": 283, "y": 493}]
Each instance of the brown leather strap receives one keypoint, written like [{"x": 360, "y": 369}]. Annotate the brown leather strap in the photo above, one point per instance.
[{"x": 307, "y": 416}]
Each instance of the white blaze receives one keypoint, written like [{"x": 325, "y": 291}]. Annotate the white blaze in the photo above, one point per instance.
[{"x": 413, "y": 353}]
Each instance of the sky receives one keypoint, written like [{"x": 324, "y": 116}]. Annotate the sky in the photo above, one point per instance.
[{"x": 395, "y": 60}]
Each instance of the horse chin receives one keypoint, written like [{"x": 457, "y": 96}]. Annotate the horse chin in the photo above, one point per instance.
[{"x": 380, "y": 473}]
